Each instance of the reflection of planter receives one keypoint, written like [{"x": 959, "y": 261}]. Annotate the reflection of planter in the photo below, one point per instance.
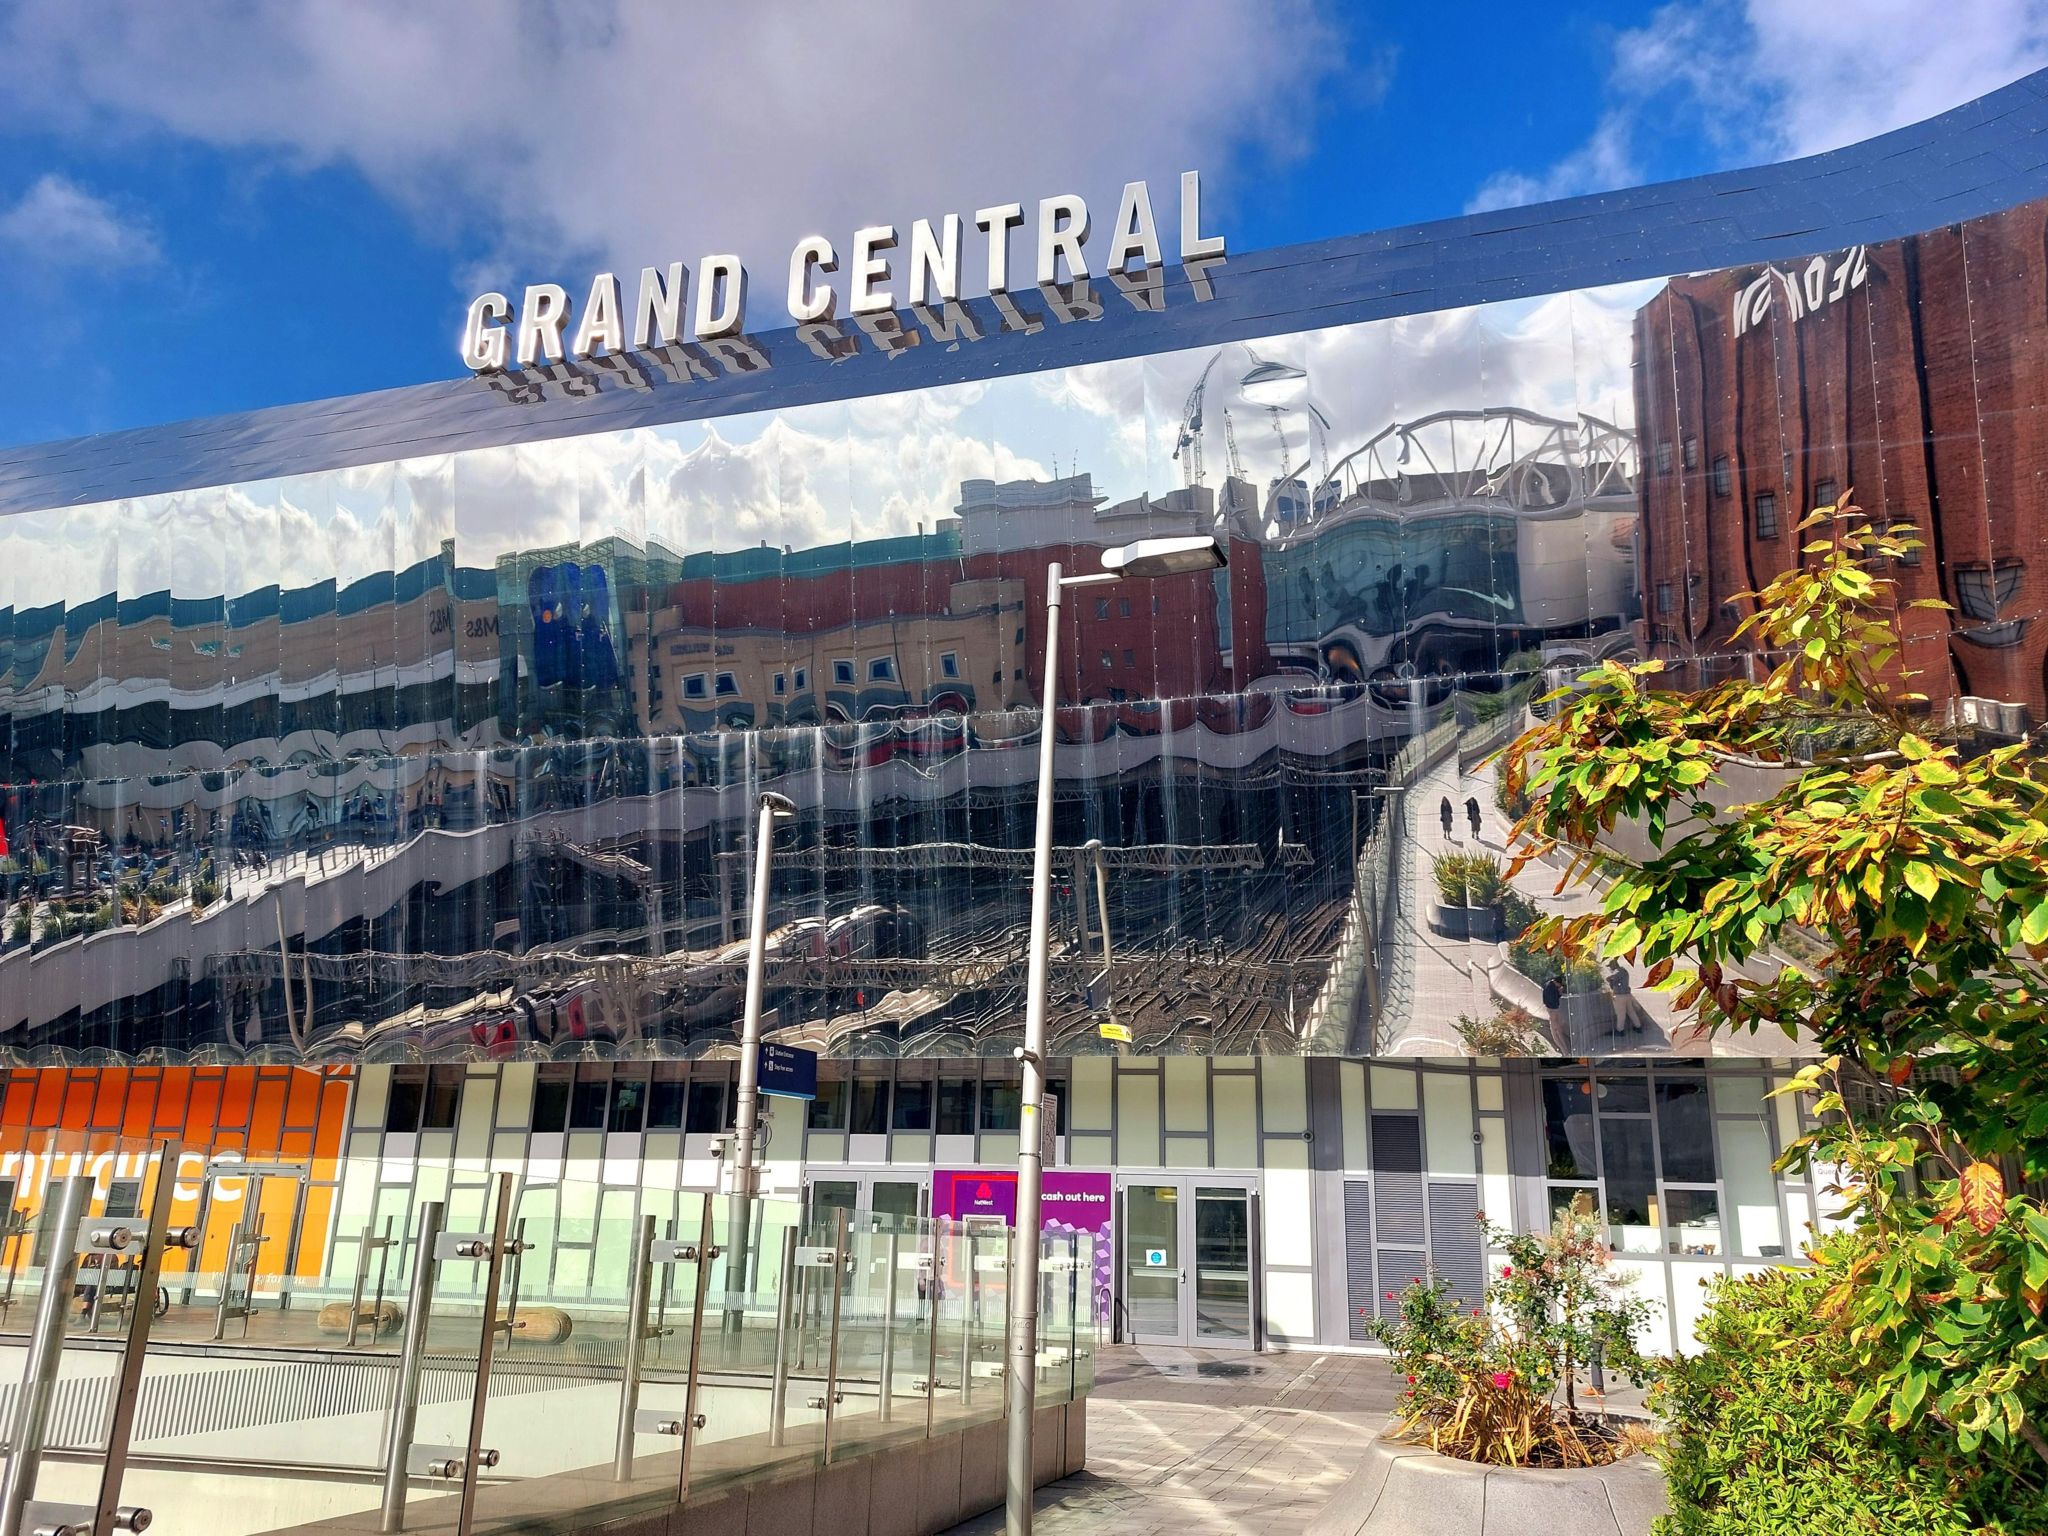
[
  {"x": 1404, "y": 1490},
  {"x": 1481, "y": 923}
]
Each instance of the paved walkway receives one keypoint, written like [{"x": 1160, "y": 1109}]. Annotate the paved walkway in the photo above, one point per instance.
[
  {"x": 1202, "y": 1443},
  {"x": 1437, "y": 979}
]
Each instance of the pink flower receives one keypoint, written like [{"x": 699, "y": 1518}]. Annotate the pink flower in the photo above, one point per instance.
[
  {"x": 1475, "y": 1311},
  {"x": 1390, "y": 1295},
  {"x": 1501, "y": 1380},
  {"x": 1411, "y": 1381}
]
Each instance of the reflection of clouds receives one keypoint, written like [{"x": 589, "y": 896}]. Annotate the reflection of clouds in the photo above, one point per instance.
[{"x": 871, "y": 468}]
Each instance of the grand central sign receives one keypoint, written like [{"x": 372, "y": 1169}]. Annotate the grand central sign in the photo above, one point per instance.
[{"x": 674, "y": 305}]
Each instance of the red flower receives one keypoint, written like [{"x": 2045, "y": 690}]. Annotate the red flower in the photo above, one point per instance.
[
  {"x": 1390, "y": 1295},
  {"x": 1507, "y": 1271},
  {"x": 1411, "y": 1381},
  {"x": 1502, "y": 1378},
  {"x": 1475, "y": 1311}
]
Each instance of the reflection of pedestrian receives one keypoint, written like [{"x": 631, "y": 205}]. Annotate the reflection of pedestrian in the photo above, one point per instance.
[
  {"x": 1472, "y": 814},
  {"x": 1446, "y": 815},
  {"x": 1617, "y": 986},
  {"x": 1553, "y": 993}
]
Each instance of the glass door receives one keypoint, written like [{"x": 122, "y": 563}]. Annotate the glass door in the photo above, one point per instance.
[
  {"x": 1222, "y": 1289},
  {"x": 1188, "y": 1270},
  {"x": 1152, "y": 1264}
]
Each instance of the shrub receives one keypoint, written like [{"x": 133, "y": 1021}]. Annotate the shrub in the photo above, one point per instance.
[
  {"x": 1760, "y": 1438},
  {"x": 1507, "y": 1031},
  {"x": 1468, "y": 879},
  {"x": 204, "y": 892},
  {"x": 1483, "y": 1385},
  {"x": 1530, "y": 955},
  {"x": 1517, "y": 912}
]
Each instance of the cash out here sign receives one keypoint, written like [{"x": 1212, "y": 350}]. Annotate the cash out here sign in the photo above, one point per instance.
[{"x": 674, "y": 304}]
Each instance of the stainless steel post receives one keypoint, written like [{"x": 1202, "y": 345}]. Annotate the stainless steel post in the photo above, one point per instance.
[
  {"x": 227, "y": 1282},
  {"x": 778, "y": 1383},
  {"x": 832, "y": 1350},
  {"x": 1021, "y": 1326},
  {"x": 487, "y": 1339},
  {"x": 970, "y": 1314},
  {"x": 888, "y": 1372},
  {"x": 691, "y": 1417},
  {"x": 931, "y": 1345},
  {"x": 135, "y": 1348},
  {"x": 45, "y": 1354},
  {"x": 412, "y": 1354},
  {"x": 636, "y": 1340}
]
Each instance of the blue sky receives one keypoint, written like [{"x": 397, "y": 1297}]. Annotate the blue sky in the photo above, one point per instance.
[{"x": 228, "y": 204}]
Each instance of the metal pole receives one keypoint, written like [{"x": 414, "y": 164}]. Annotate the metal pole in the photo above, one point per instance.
[
  {"x": 970, "y": 1314},
  {"x": 931, "y": 1347},
  {"x": 747, "y": 1110},
  {"x": 1123, "y": 1047},
  {"x": 412, "y": 1354},
  {"x": 487, "y": 1338},
  {"x": 778, "y": 1383},
  {"x": 45, "y": 1355},
  {"x": 832, "y": 1350},
  {"x": 135, "y": 1348},
  {"x": 888, "y": 1383},
  {"x": 227, "y": 1282},
  {"x": 691, "y": 1417},
  {"x": 636, "y": 1339},
  {"x": 1021, "y": 1376}
]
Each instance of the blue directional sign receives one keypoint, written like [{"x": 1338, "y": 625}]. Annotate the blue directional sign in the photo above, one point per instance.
[{"x": 788, "y": 1071}]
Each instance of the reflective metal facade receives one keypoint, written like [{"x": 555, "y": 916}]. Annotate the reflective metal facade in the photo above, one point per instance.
[{"x": 431, "y": 723}]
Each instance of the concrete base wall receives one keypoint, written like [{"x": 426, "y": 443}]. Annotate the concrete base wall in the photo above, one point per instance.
[{"x": 916, "y": 1489}]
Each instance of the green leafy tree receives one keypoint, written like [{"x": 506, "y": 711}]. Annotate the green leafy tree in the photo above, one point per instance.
[{"x": 1910, "y": 879}]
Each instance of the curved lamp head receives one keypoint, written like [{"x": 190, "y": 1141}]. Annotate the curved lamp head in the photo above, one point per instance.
[
  {"x": 1167, "y": 557},
  {"x": 1273, "y": 385},
  {"x": 781, "y": 805}
]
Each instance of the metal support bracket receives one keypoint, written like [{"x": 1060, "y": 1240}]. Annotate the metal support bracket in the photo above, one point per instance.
[
  {"x": 655, "y": 1421},
  {"x": 666, "y": 1251},
  {"x": 43, "y": 1518},
  {"x": 444, "y": 1461}
]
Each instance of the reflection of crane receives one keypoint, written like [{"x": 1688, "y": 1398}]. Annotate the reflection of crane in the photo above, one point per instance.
[{"x": 1190, "y": 440}]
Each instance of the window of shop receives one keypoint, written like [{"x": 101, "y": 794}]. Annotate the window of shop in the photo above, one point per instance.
[
  {"x": 1692, "y": 453},
  {"x": 728, "y": 685},
  {"x": 956, "y": 1106},
  {"x": 1663, "y": 458},
  {"x": 1724, "y": 475},
  {"x": 842, "y": 672},
  {"x": 828, "y": 1110},
  {"x": 882, "y": 670},
  {"x": 1672, "y": 1163},
  {"x": 694, "y": 686},
  {"x": 1825, "y": 493},
  {"x": 949, "y": 663}
]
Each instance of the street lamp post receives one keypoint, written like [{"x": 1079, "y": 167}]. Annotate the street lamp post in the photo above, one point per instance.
[
  {"x": 1145, "y": 559},
  {"x": 746, "y": 1113}
]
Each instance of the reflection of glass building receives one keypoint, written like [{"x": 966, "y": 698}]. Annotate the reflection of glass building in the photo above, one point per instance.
[{"x": 439, "y": 764}]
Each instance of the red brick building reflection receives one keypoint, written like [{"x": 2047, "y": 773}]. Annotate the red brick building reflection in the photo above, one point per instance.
[{"x": 1915, "y": 372}]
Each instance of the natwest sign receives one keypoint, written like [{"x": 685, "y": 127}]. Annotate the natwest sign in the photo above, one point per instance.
[{"x": 881, "y": 270}]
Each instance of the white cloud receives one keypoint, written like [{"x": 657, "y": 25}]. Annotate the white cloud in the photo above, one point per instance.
[
  {"x": 554, "y": 135},
  {"x": 1764, "y": 80},
  {"x": 59, "y": 226}
]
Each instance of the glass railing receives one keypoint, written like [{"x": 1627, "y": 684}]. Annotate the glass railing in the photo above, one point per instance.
[{"x": 250, "y": 1348}]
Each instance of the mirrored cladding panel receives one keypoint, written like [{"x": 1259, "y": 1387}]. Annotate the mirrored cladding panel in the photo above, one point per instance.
[{"x": 460, "y": 754}]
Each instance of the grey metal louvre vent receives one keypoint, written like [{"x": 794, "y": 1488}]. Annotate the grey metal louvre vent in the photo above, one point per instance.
[
  {"x": 1361, "y": 1298},
  {"x": 1454, "y": 1247},
  {"x": 1397, "y": 1178}
]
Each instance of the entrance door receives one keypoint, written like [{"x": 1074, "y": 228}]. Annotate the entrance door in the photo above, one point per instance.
[
  {"x": 1187, "y": 1262},
  {"x": 864, "y": 1195}
]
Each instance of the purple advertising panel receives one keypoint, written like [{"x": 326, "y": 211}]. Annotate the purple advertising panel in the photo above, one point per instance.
[{"x": 1070, "y": 1202}]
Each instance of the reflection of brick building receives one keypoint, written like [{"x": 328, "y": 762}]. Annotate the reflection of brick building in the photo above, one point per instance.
[{"x": 1910, "y": 371}]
